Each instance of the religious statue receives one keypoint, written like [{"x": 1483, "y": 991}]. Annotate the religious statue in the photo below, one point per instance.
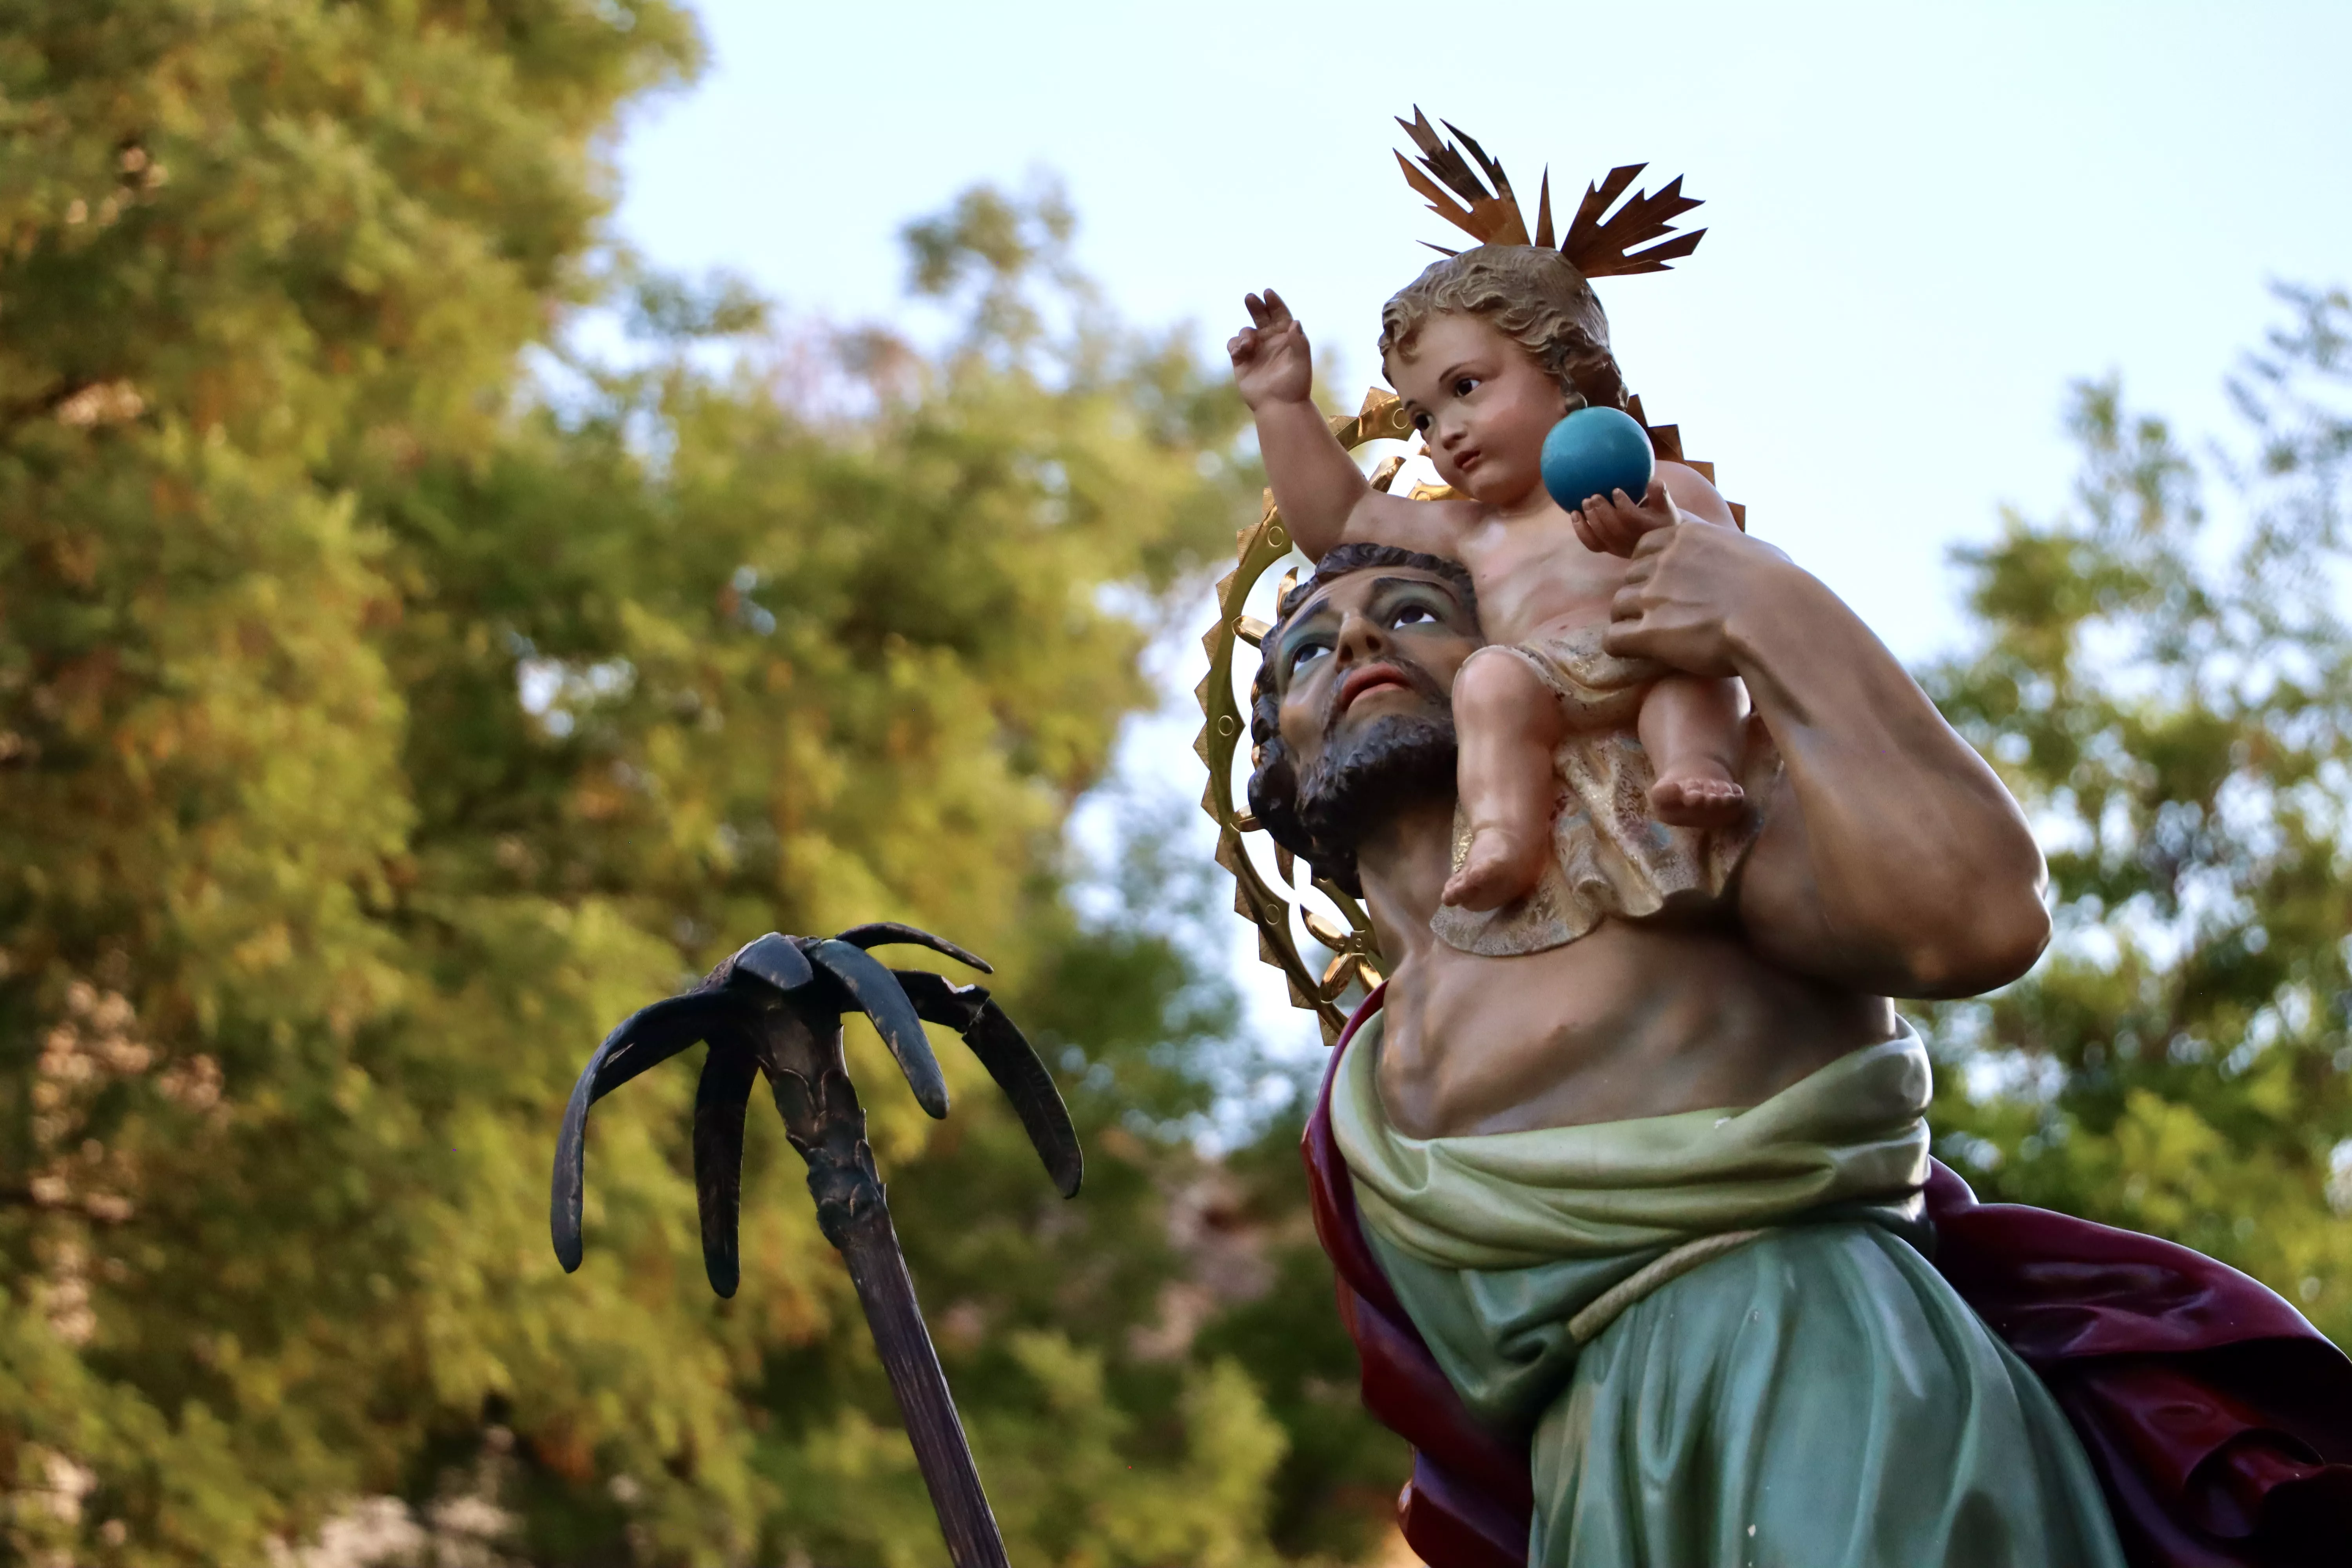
[
  {"x": 1624, "y": 1162},
  {"x": 1488, "y": 350},
  {"x": 1621, "y": 1160}
]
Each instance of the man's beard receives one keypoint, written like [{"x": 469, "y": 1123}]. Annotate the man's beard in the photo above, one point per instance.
[{"x": 1395, "y": 762}]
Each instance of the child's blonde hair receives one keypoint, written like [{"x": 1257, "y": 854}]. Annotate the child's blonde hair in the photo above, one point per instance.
[{"x": 1532, "y": 296}]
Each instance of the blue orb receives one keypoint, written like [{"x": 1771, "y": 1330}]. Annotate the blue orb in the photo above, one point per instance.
[{"x": 1596, "y": 452}]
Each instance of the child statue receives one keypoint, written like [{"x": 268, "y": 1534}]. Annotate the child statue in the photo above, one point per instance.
[{"x": 1564, "y": 820}]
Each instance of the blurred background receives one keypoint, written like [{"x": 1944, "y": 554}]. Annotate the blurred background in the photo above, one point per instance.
[{"x": 502, "y": 501}]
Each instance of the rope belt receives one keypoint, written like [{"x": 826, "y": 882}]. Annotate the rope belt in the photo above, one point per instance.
[{"x": 1605, "y": 1308}]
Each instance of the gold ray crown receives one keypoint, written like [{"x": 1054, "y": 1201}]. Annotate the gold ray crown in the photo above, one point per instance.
[{"x": 1600, "y": 244}]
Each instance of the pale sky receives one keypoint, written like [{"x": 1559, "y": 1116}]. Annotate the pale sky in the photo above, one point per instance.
[{"x": 1924, "y": 221}]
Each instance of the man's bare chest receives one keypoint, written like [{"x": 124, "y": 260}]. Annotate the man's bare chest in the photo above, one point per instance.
[{"x": 1633, "y": 1020}]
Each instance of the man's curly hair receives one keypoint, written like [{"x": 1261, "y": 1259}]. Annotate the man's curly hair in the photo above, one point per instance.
[
  {"x": 1273, "y": 774},
  {"x": 1533, "y": 296}
]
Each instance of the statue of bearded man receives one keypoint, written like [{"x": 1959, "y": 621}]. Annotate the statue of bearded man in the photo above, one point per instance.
[{"x": 1653, "y": 1197}]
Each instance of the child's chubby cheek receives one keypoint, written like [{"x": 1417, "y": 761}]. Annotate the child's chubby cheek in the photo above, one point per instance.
[{"x": 1489, "y": 477}]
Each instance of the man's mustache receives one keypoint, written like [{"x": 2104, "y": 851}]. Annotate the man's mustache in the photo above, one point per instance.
[{"x": 1413, "y": 675}]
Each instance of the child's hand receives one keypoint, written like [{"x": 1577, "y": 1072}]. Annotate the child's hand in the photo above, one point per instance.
[
  {"x": 1612, "y": 524},
  {"x": 1271, "y": 361}
]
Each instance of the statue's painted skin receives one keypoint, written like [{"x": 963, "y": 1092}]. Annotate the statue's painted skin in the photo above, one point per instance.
[
  {"x": 1649, "y": 1194},
  {"x": 1892, "y": 862},
  {"x": 1716, "y": 1331},
  {"x": 1544, "y": 577}
]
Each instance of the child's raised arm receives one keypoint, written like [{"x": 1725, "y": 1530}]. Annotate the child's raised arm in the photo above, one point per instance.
[{"x": 1324, "y": 497}]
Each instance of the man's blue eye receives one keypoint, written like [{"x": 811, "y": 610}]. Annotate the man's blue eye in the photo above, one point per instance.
[
  {"x": 1411, "y": 616},
  {"x": 1305, "y": 652}
]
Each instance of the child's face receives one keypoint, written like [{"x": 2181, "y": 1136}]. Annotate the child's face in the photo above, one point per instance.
[{"x": 1484, "y": 404}]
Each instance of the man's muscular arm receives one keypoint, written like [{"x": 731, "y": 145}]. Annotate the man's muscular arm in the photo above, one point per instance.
[
  {"x": 1324, "y": 498},
  {"x": 1893, "y": 858}
]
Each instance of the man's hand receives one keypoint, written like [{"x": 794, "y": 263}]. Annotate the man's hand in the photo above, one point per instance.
[
  {"x": 1272, "y": 362},
  {"x": 1682, "y": 590},
  {"x": 1614, "y": 523}
]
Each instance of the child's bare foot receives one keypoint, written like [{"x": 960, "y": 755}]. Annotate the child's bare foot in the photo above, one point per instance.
[
  {"x": 1704, "y": 797},
  {"x": 1502, "y": 864}
]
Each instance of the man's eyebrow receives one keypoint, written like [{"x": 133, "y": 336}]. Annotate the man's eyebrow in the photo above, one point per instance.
[
  {"x": 1314, "y": 599},
  {"x": 1307, "y": 609},
  {"x": 1382, "y": 584},
  {"x": 1322, "y": 599},
  {"x": 1287, "y": 628}
]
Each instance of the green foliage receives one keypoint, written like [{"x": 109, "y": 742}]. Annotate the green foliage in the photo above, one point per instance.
[
  {"x": 2172, "y": 701},
  {"x": 1337, "y": 1488},
  {"x": 252, "y": 253},
  {"x": 376, "y": 728},
  {"x": 376, "y": 734}
]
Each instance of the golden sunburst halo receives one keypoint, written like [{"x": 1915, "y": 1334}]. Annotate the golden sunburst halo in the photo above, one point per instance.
[{"x": 1281, "y": 898}]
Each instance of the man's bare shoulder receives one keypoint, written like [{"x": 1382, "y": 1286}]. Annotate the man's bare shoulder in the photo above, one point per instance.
[{"x": 1432, "y": 527}]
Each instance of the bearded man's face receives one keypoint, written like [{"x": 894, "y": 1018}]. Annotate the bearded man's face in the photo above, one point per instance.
[{"x": 1363, "y": 673}]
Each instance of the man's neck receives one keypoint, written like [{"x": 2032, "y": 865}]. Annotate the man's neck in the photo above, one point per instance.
[{"x": 1402, "y": 865}]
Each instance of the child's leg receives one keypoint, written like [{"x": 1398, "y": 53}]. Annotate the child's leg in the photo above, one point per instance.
[
  {"x": 1508, "y": 724},
  {"x": 1691, "y": 728}
]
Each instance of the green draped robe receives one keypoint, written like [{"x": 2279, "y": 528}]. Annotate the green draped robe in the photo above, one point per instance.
[{"x": 1720, "y": 1333}]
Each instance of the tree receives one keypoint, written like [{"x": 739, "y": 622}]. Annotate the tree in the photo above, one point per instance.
[
  {"x": 376, "y": 732},
  {"x": 253, "y": 252},
  {"x": 831, "y": 665},
  {"x": 2172, "y": 701},
  {"x": 377, "y": 726}
]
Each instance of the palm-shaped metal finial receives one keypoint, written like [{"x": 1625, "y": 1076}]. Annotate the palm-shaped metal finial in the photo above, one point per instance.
[{"x": 775, "y": 1008}]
